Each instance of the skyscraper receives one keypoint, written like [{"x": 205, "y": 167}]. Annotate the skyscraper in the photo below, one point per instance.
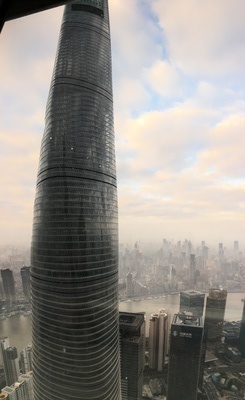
[
  {"x": 192, "y": 301},
  {"x": 74, "y": 271},
  {"x": 184, "y": 357},
  {"x": 214, "y": 315},
  {"x": 25, "y": 277},
  {"x": 8, "y": 285},
  {"x": 221, "y": 253},
  {"x": 241, "y": 341},
  {"x": 213, "y": 323},
  {"x": 158, "y": 339},
  {"x": 236, "y": 249},
  {"x": 129, "y": 285},
  {"x": 132, "y": 338},
  {"x": 26, "y": 359},
  {"x": 192, "y": 269},
  {"x": 10, "y": 362}
]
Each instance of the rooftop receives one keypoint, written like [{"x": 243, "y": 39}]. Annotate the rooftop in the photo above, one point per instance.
[
  {"x": 130, "y": 321},
  {"x": 192, "y": 293},
  {"x": 217, "y": 294},
  {"x": 187, "y": 319}
]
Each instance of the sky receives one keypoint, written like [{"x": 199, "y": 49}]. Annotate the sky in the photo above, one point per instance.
[{"x": 179, "y": 103}]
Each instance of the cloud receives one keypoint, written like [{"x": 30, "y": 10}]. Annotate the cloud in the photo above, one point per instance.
[
  {"x": 132, "y": 97},
  {"x": 133, "y": 38},
  {"x": 224, "y": 154},
  {"x": 204, "y": 37},
  {"x": 179, "y": 116},
  {"x": 134, "y": 49},
  {"x": 165, "y": 79},
  {"x": 165, "y": 140},
  {"x": 181, "y": 169}
]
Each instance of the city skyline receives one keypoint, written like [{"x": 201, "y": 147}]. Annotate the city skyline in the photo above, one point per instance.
[{"x": 179, "y": 118}]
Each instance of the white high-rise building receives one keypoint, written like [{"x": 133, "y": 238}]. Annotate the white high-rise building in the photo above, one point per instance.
[
  {"x": 158, "y": 339},
  {"x": 21, "y": 390},
  {"x": 26, "y": 359},
  {"x": 28, "y": 379}
]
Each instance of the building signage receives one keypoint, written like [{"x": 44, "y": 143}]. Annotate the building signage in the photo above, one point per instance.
[
  {"x": 186, "y": 334},
  {"x": 182, "y": 334}
]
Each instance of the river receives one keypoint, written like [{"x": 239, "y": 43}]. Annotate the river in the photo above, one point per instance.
[{"x": 18, "y": 328}]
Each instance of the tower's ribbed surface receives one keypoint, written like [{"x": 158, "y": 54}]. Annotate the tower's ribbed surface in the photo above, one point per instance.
[{"x": 74, "y": 248}]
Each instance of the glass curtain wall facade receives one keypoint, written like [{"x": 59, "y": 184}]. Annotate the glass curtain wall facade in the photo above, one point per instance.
[
  {"x": 241, "y": 341},
  {"x": 74, "y": 273},
  {"x": 132, "y": 347},
  {"x": 8, "y": 286},
  {"x": 184, "y": 357},
  {"x": 192, "y": 301}
]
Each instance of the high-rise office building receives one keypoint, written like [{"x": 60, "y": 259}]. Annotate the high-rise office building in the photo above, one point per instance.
[
  {"x": 205, "y": 256},
  {"x": 129, "y": 285},
  {"x": 1, "y": 291},
  {"x": 8, "y": 285},
  {"x": 184, "y": 357},
  {"x": 74, "y": 267},
  {"x": 192, "y": 269},
  {"x": 221, "y": 253},
  {"x": 25, "y": 277},
  {"x": 214, "y": 315},
  {"x": 158, "y": 339},
  {"x": 132, "y": 339},
  {"x": 236, "y": 249},
  {"x": 241, "y": 341},
  {"x": 10, "y": 362},
  {"x": 213, "y": 323},
  {"x": 26, "y": 359},
  {"x": 192, "y": 301}
]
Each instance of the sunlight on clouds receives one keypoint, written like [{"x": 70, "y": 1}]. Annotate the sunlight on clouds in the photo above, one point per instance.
[
  {"x": 166, "y": 139},
  {"x": 204, "y": 37},
  {"x": 225, "y": 152},
  {"x": 131, "y": 97},
  {"x": 165, "y": 79},
  {"x": 133, "y": 38},
  {"x": 179, "y": 116}
]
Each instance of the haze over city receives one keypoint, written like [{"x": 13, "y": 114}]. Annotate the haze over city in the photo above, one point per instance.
[{"x": 178, "y": 76}]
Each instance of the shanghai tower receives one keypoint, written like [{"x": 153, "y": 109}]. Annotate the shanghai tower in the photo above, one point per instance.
[{"x": 74, "y": 270}]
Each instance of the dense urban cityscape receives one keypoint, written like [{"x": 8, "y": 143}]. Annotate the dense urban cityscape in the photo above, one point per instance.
[{"x": 160, "y": 346}]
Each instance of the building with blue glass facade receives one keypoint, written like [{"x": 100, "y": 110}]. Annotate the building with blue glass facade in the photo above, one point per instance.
[{"x": 74, "y": 273}]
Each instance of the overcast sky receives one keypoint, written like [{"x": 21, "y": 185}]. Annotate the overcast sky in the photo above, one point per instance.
[{"x": 179, "y": 100}]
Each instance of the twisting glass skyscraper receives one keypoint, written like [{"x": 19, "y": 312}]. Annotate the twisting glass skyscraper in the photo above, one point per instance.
[{"x": 74, "y": 248}]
